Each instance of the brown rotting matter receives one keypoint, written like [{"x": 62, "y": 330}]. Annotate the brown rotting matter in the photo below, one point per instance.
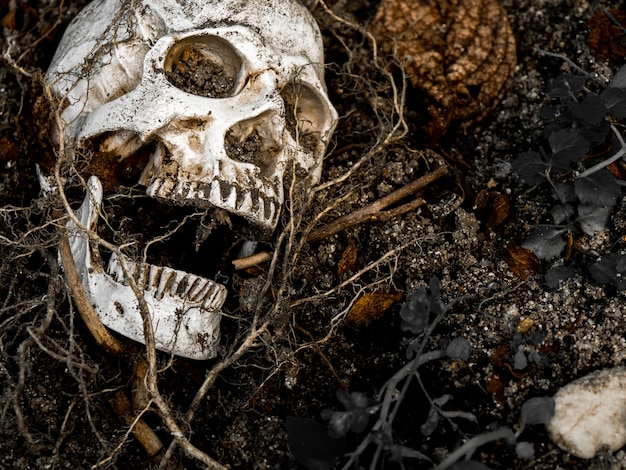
[{"x": 461, "y": 53}]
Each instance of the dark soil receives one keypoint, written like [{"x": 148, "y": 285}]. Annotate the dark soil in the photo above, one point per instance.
[{"x": 56, "y": 384}]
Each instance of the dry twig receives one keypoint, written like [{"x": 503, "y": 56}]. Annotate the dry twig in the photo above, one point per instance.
[{"x": 375, "y": 211}]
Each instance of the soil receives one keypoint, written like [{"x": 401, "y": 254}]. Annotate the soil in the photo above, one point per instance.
[{"x": 57, "y": 384}]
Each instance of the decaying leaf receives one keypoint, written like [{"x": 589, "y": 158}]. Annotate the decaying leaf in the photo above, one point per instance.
[
  {"x": 606, "y": 38},
  {"x": 371, "y": 306},
  {"x": 9, "y": 150},
  {"x": 521, "y": 261},
  {"x": 461, "y": 53},
  {"x": 348, "y": 260},
  {"x": 494, "y": 207}
]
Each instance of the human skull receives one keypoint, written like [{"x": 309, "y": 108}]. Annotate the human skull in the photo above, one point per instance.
[{"x": 209, "y": 104}]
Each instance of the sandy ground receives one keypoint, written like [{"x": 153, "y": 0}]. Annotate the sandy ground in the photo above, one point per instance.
[{"x": 57, "y": 384}]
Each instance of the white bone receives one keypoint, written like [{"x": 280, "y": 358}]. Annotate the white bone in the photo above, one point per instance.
[{"x": 116, "y": 66}]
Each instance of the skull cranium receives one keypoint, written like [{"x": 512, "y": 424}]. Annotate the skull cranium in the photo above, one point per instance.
[{"x": 208, "y": 104}]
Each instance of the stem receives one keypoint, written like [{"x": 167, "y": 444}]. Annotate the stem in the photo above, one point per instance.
[
  {"x": 474, "y": 443},
  {"x": 603, "y": 164}
]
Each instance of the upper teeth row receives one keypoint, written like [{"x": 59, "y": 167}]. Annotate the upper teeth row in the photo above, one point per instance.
[
  {"x": 261, "y": 207},
  {"x": 168, "y": 281}
]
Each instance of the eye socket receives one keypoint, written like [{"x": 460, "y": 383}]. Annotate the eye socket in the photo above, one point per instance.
[
  {"x": 306, "y": 115},
  {"x": 204, "y": 66}
]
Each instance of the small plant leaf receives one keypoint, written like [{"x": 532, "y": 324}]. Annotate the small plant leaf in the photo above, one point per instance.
[
  {"x": 619, "y": 79},
  {"x": 470, "y": 465},
  {"x": 525, "y": 450},
  {"x": 399, "y": 452},
  {"x": 530, "y": 167},
  {"x": 459, "y": 348},
  {"x": 311, "y": 445},
  {"x": 567, "y": 146},
  {"x": 566, "y": 86},
  {"x": 538, "y": 410},
  {"x": 520, "y": 361},
  {"x": 591, "y": 110},
  {"x": 562, "y": 213},
  {"x": 545, "y": 242},
  {"x": 610, "y": 269},
  {"x": 598, "y": 189},
  {"x": 593, "y": 219},
  {"x": 432, "y": 421},
  {"x": 597, "y": 133},
  {"x": 615, "y": 101},
  {"x": 557, "y": 274},
  {"x": 564, "y": 192},
  {"x": 416, "y": 312}
]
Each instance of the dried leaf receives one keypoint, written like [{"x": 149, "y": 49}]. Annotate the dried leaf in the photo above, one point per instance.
[
  {"x": 605, "y": 37},
  {"x": 500, "y": 210},
  {"x": 522, "y": 262},
  {"x": 461, "y": 53},
  {"x": 9, "y": 150},
  {"x": 371, "y": 306},
  {"x": 493, "y": 207},
  {"x": 348, "y": 260}
]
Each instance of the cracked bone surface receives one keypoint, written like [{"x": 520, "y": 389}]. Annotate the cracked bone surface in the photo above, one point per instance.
[{"x": 209, "y": 104}]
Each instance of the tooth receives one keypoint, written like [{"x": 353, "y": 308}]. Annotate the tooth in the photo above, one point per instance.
[
  {"x": 154, "y": 187},
  {"x": 267, "y": 209},
  {"x": 270, "y": 190},
  {"x": 200, "y": 293},
  {"x": 215, "y": 191},
  {"x": 167, "y": 186},
  {"x": 246, "y": 202},
  {"x": 229, "y": 195},
  {"x": 192, "y": 286},
  {"x": 185, "y": 285},
  {"x": 114, "y": 269},
  {"x": 214, "y": 299},
  {"x": 179, "y": 288},
  {"x": 154, "y": 277},
  {"x": 261, "y": 210},
  {"x": 166, "y": 281},
  {"x": 255, "y": 205},
  {"x": 191, "y": 191}
]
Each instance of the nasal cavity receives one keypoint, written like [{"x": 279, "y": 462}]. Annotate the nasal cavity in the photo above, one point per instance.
[{"x": 257, "y": 141}]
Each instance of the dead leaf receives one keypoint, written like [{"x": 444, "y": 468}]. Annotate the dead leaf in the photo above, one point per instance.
[
  {"x": 20, "y": 18},
  {"x": 500, "y": 210},
  {"x": 348, "y": 260},
  {"x": 495, "y": 207},
  {"x": 461, "y": 53},
  {"x": 522, "y": 262},
  {"x": 9, "y": 150},
  {"x": 371, "y": 306},
  {"x": 606, "y": 38}
]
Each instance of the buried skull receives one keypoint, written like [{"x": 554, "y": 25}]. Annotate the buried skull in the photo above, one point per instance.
[{"x": 210, "y": 104}]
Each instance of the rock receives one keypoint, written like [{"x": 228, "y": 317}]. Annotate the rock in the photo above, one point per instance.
[{"x": 590, "y": 414}]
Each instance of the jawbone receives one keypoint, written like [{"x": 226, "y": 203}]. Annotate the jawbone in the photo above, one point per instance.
[{"x": 185, "y": 309}]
